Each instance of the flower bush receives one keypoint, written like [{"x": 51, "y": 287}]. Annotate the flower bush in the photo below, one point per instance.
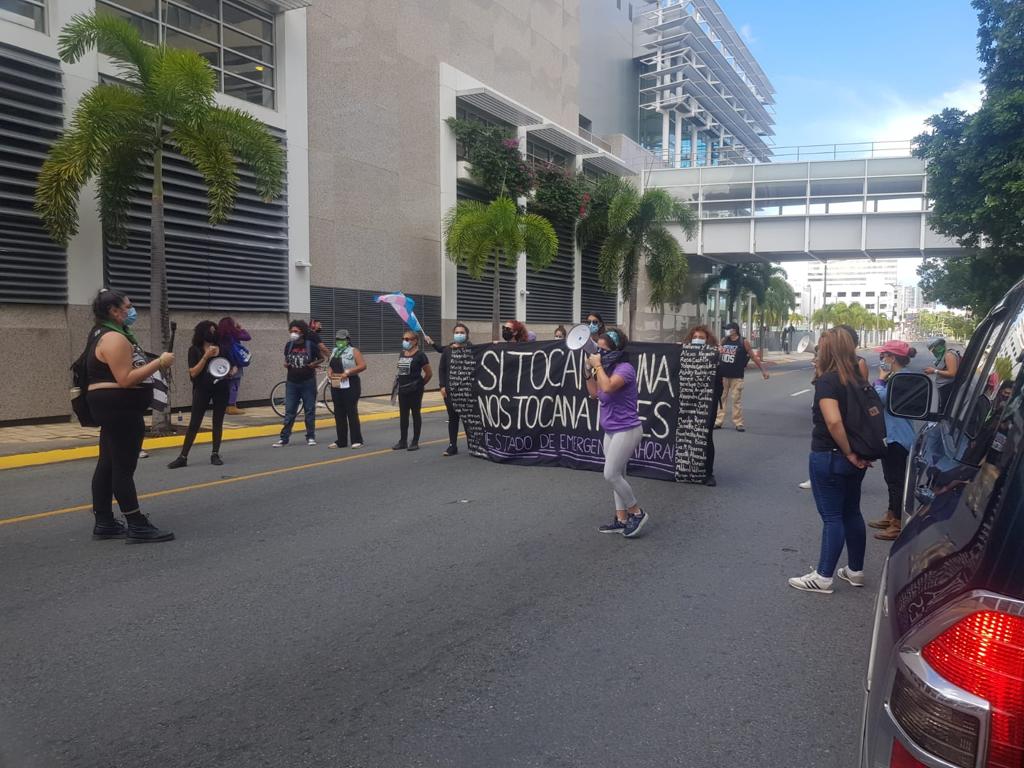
[
  {"x": 493, "y": 157},
  {"x": 560, "y": 194}
]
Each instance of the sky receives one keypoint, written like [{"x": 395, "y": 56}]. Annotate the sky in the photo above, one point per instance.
[{"x": 861, "y": 71}]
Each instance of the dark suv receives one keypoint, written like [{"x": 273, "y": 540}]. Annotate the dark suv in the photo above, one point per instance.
[{"x": 945, "y": 681}]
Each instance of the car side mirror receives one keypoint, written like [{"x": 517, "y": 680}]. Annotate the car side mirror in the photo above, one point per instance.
[{"x": 911, "y": 396}]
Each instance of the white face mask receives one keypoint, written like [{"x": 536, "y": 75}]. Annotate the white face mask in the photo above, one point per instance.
[
  {"x": 294, "y": 336},
  {"x": 698, "y": 341}
]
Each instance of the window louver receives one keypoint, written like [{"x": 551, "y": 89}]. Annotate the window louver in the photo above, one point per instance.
[
  {"x": 240, "y": 265},
  {"x": 375, "y": 328},
  {"x": 594, "y": 298},
  {"x": 551, "y": 289},
  {"x": 475, "y": 297},
  {"x": 33, "y": 268}
]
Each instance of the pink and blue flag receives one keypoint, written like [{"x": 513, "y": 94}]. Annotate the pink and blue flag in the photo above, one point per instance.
[{"x": 403, "y": 305}]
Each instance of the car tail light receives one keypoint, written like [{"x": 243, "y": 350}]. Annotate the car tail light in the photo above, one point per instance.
[
  {"x": 903, "y": 759},
  {"x": 983, "y": 654},
  {"x": 934, "y": 726}
]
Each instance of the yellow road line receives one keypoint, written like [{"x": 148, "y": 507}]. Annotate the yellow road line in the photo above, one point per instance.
[
  {"x": 18, "y": 460},
  {"x": 214, "y": 483}
]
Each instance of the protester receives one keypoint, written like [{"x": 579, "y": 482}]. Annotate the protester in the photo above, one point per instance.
[
  {"x": 413, "y": 374},
  {"x": 301, "y": 358},
  {"x": 701, "y": 336},
  {"x": 612, "y": 380},
  {"x": 314, "y": 329},
  {"x": 205, "y": 389},
  {"x": 514, "y": 332},
  {"x": 460, "y": 338},
  {"x": 596, "y": 325},
  {"x": 119, "y": 392},
  {"x": 836, "y": 471},
  {"x": 945, "y": 367},
  {"x": 346, "y": 363},
  {"x": 230, "y": 337},
  {"x": 560, "y": 333},
  {"x": 894, "y": 357},
  {"x": 735, "y": 353}
]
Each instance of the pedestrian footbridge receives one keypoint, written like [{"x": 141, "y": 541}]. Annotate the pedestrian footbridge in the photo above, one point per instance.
[{"x": 808, "y": 210}]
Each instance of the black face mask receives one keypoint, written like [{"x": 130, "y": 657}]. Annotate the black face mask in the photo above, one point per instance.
[
  {"x": 506, "y": 334},
  {"x": 210, "y": 336}
]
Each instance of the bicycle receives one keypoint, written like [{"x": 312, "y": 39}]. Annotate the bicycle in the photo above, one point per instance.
[{"x": 323, "y": 396}]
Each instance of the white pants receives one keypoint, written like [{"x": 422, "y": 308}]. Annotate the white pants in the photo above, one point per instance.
[{"x": 618, "y": 448}]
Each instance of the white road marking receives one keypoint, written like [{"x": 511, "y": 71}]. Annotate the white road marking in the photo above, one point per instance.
[{"x": 801, "y": 392}]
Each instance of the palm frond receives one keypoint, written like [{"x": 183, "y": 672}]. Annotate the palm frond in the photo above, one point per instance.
[
  {"x": 212, "y": 157},
  {"x": 612, "y": 261},
  {"x": 540, "y": 242},
  {"x": 666, "y": 267},
  {"x": 254, "y": 145},
  {"x": 623, "y": 209},
  {"x": 181, "y": 86},
  {"x": 120, "y": 175},
  {"x": 469, "y": 238},
  {"x": 111, "y": 36}
]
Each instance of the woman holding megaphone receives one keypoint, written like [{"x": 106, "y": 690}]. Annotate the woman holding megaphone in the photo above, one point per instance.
[{"x": 210, "y": 374}]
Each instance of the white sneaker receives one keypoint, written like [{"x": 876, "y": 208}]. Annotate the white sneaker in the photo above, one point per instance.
[
  {"x": 805, "y": 485},
  {"x": 812, "y": 582},
  {"x": 333, "y": 445},
  {"x": 280, "y": 444},
  {"x": 357, "y": 445},
  {"x": 856, "y": 578},
  {"x": 310, "y": 441}
]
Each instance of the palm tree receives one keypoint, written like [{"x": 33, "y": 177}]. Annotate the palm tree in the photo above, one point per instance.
[
  {"x": 637, "y": 236},
  {"x": 480, "y": 235},
  {"x": 796, "y": 319},
  {"x": 779, "y": 301},
  {"x": 120, "y": 131},
  {"x": 769, "y": 279},
  {"x": 738, "y": 279}
]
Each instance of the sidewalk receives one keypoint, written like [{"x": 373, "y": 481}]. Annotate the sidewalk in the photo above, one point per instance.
[{"x": 29, "y": 445}]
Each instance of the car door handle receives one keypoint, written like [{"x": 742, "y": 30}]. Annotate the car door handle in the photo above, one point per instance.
[{"x": 924, "y": 495}]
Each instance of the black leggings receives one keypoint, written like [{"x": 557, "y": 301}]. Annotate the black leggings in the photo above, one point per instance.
[
  {"x": 346, "y": 412},
  {"x": 411, "y": 403},
  {"x": 201, "y": 397},
  {"x": 119, "y": 412},
  {"x": 453, "y": 422},
  {"x": 894, "y": 470}
]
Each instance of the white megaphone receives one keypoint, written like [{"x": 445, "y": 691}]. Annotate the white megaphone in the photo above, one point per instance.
[{"x": 579, "y": 338}]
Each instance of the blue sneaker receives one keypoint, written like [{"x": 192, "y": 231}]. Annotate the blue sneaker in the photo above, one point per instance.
[
  {"x": 634, "y": 524},
  {"x": 615, "y": 526}
]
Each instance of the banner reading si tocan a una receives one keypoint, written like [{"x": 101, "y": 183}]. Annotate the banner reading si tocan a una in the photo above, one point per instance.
[{"x": 528, "y": 404}]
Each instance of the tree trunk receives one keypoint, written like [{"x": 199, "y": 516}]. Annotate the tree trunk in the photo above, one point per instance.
[
  {"x": 764, "y": 332},
  {"x": 496, "y": 299},
  {"x": 159, "y": 318},
  {"x": 633, "y": 291}
]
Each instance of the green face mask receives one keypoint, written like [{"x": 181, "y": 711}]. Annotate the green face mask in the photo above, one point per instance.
[{"x": 341, "y": 343}]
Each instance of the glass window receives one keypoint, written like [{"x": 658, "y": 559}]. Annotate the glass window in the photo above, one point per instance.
[
  {"x": 209, "y": 51},
  {"x": 725, "y": 210},
  {"x": 783, "y": 207},
  {"x": 249, "y": 46},
  {"x": 209, "y": 7},
  {"x": 836, "y": 205},
  {"x": 740, "y": 191},
  {"x": 780, "y": 188},
  {"x": 247, "y": 68},
  {"x": 894, "y": 185},
  {"x": 148, "y": 29},
  {"x": 837, "y": 187},
  {"x": 249, "y": 22},
  {"x": 242, "y": 89},
  {"x": 143, "y": 7},
  {"x": 25, "y": 13},
  {"x": 192, "y": 23}
]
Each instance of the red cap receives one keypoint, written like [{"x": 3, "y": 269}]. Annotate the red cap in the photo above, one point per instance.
[{"x": 895, "y": 347}]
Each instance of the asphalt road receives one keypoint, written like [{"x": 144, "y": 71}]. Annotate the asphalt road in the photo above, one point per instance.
[{"x": 404, "y": 609}]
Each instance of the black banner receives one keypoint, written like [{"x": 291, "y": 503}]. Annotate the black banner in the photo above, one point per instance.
[{"x": 528, "y": 404}]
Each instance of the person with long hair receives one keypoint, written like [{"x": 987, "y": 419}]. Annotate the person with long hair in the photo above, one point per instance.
[
  {"x": 345, "y": 364},
  {"x": 460, "y": 338},
  {"x": 944, "y": 369},
  {"x": 230, "y": 335},
  {"x": 595, "y": 324},
  {"x": 894, "y": 356},
  {"x": 701, "y": 336},
  {"x": 514, "y": 332},
  {"x": 612, "y": 380},
  {"x": 205, "y": 389},
  {"x": 560, "y": 333},
  {"x": 836, "y": 471},
  {"x": 410, "y": 382},
  {"x": 302, "y": 357},
  {"x": 119, "y": 392}
]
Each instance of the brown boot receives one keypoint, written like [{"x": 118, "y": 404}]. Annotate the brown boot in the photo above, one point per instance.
[
  {"x": 234, "y": 410},
  {"x": 891, "y": 533},
  {"x": 881, "y": 523}
]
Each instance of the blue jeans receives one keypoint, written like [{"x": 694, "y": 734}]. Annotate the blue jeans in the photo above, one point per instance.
[
  {"x": 835, "y": 483},
  {"x": 295, "y": 391}
]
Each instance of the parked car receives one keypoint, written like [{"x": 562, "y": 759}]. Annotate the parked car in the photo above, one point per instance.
[{"x": 945, "y": 678}]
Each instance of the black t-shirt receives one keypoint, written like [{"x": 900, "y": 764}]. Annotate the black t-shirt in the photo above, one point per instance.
[
  {"x": 204, "y": 379},
  {"x": 411, "y": 368},
  {"x": 299, "y": 356},
  {"x": 830, "y": 387},
  {"x": 734, "y": 358}
]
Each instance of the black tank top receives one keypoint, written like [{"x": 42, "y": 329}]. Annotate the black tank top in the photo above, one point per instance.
[
  {"x": 97, "y": 371},
  {"x": 734, "y": 359}
]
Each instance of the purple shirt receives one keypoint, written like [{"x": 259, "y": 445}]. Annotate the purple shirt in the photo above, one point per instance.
[{"x": 618, "y": 409}]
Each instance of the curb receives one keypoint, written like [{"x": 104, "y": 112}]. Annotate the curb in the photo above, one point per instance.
[{"x": 58, "y": 455}]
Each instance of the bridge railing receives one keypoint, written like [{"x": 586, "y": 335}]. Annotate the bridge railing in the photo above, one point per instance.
[{"x": 857, "y": 150}]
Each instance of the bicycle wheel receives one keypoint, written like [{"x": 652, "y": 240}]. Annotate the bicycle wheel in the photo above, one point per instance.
[
  {"x": 328, "y": 398},
  {"x": 277, "y": 398}
]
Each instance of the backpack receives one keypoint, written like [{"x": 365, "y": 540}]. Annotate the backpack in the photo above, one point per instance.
[
  {"x": 240, "y": 355},
  {"x": 80, "y": 381},
  {"x": 864, "y": 420}
]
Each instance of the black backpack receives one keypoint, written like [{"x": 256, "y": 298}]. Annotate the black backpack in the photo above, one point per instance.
[
  {"x": 80, "y": 381},
  {"x": 864, "y": 420}
]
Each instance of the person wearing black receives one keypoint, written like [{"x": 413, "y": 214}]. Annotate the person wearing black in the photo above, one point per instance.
[
  {"x": 735, "y": 353},
  {"x": 346, "y": 363},
  {"x": 702, "y": 336},
  {"x": 119, "y": 392},
  {"x": 301, "y": 358},
  {"x": 313, "y": 329},
  {"x": 413, "y": 375},
  {"x": 205, "y": 389},
  {"x": 460, "y": 338}
]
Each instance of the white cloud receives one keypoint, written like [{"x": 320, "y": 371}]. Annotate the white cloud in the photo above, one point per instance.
[{"x": 747, "y": 34}]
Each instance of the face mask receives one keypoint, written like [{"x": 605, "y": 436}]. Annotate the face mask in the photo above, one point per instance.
[
  {"x": 698, "y": 341},
  {"x": 886, "y": 366},
  {"x": 341, "y": 343},
  {"x": 406, "y": 344},
  {"x": 506, "y": 334},
  {"x": 460, "y": 338},
  {"x": 559, "y": 338},
  {"x": 131, "y": 317},
  {"x": 294, "y": 336},
  {"x": 210, "y": 336},
  {"x": 594, "y": 327}
]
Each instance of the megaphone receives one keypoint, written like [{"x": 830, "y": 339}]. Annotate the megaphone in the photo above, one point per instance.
[
  {"x": 219, "y": 367},
  {"x": 579, "y": 338}
]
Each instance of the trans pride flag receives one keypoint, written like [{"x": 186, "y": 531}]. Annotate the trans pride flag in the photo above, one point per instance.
[{"x": 403, "y": 305}]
